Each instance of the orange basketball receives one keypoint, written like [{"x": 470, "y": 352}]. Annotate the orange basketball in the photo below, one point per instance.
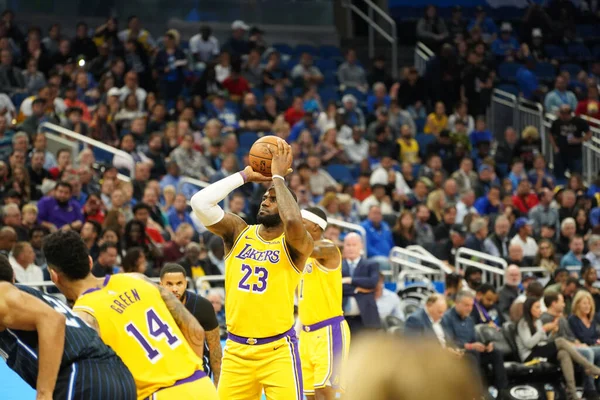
[{"x": 261, "y": 154}]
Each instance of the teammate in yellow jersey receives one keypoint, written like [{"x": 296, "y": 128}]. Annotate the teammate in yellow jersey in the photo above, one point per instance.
[
  {"x": 263, "y": 265},
  {"x": 325, "y": 336},
  {"x": 159, "y": 341}
]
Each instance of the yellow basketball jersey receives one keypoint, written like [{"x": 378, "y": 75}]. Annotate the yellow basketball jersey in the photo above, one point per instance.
[
  {"x": 320, "y": 292},
  {"x": 260, "y": 282},
  {"x": 136, "y": 323}
]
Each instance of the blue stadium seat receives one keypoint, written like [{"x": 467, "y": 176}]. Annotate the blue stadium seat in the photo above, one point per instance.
[
  {"x": 420, "y": 124},
  {"x": 555, "y": 52},
  {"x": 508, "y": 71},
  {"x": 258, "y": 92},
  {"x": 596, "y": 52},
  {"x": 340, "y": 173},
  {"x": 18, "y": 98},
  {"x": 330, "y": 78},
  {"x": 329, "y": 93},
  {"x": 586, "y": 31},
  {"x": 104, "y": 157},
  {"x": 360, "y": 96},
  {"x": 297, "y": 91},
  {"x": 325, "y": 64},
  {"x": 424, "y": 140},
  {"x": 290, "y": 64},
  {"x": 545, "y": 71},
  {"x": 579, "y": 51},
  {"x": 283, "y": 48},
  {"x": 247, "y": 139},
  {"x": 572, "y": 69},
  {"x": 329, "y": 51},
  {"x": 507, "y": 87},
  {"x": 306, "y": 48}
]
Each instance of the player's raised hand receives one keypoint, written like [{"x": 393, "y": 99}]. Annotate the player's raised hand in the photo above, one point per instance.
[
  {"x": 253, "y": 176},
  {"x": 282, "y": 159}
]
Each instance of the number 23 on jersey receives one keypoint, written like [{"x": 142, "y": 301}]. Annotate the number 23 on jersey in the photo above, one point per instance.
[{"x": 258, "y": 274}]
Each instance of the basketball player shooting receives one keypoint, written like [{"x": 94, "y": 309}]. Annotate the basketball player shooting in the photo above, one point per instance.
[{"x": 263, "y": 266}]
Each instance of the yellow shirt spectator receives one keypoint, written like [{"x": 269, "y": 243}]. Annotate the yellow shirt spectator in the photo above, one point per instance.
[
  {"x": 437, "y": 121},
  {"x": 409, "y": 150}
]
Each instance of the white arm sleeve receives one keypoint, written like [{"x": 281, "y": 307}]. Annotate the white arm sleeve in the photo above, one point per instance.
[{"x": 205, "y": 203}]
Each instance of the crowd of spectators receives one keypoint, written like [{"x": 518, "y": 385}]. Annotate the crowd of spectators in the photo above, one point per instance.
[{"x": 410, "y": 159}]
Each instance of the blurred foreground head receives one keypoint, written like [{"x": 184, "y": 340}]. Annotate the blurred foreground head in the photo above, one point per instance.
[{"x": 385, "y": 367}]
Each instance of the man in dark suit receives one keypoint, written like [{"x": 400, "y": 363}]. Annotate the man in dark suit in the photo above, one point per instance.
[
  {"x": 359, "y": 280},
  {"x": 427, "y": 321}
]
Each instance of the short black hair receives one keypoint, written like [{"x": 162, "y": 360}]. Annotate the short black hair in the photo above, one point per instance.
[
  {"x": 486, "y": 287},
  {"x": 96, "y": 225},
  {"x": 535, "y": 289},
  {"x": 550, "y": 298},
  {"x": 67, "y": 253},
  {"x": 64, "y": 184},
  {"x": 38, "y": 228},
  {"x": 6, "y": 271},
  {"x": 303, "y": 166},
  {"x": 172, "y": 268},
  {"x": 452, "y": 280},
  {"x": 572, "y": 280},
  {"x": 472, "y": 271},
  {"x": 107, "y": 245},
  {"x": 141, "y": 206},
  {"x": 318, "y": 212}
]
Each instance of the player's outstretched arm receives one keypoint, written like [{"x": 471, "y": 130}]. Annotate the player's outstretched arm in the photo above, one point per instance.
[
  {"x": 326, "y": 253},
  {"x": 187, "y": 323},
  {"x": 19, "y": 310},
  {"x": 295, "y": 233},
  {"x": 205, "y": 204}
]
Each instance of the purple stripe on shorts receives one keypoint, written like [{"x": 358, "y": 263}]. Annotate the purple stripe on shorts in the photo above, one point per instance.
[
  {"x": 194, "y": 377},
  {"x": 337, "y": 346},
  {"x": 323, "y": 324},
  {"x": 293, "y": 342}
]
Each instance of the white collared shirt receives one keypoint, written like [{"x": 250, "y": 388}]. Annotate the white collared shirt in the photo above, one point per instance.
[
  {"x": 437, "y": 328},
  {"x": 32, "y": 273}
]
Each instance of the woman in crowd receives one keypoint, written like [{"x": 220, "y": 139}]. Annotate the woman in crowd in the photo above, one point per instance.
[
  {"x": 328, "y": 149},
  {"x": 533, "y": 341},
  {"x": 29, "y": 215},
  {"x": 404, "y": 232},
  {"x": 135, "y": 261},
  {"x": 582, "y": 321},
  {"x": 583, "y": 227},
  {"x": 330, "y": 205},
  {"x": 436, "y": 201},
  {"x": 100, "y": 127},
  {"x": 437, "y": 121},
  {"x": 546, "y": 257},
  {"x": 115, "y": 221}
]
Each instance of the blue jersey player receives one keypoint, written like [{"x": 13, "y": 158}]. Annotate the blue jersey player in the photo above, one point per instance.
[{"x": 53, "y": 350}]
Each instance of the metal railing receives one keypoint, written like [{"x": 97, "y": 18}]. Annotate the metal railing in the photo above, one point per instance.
[
  {"x": 80, "y": 141},
  {"x": 429, "y": 267},
  {"x": 390, "y": 36},
  {"x": 502, "y": 113},
  {"x": 490, "y": 274},
  {"x": 351, "y": 227},
  {"x": 422, "y": 55}
]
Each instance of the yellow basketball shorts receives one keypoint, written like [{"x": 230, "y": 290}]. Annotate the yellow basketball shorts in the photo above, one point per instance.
[
  {"x": 324, "y": 350},
  {"x": 197, "y": 386},
  {"x": 253, "y": 365}
]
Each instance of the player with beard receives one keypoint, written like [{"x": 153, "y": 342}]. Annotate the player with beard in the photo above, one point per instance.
[
  {"x": 263, "y": 265},
  {"x": 173, "y": 278},
  {"x": 60, "y": 210}
]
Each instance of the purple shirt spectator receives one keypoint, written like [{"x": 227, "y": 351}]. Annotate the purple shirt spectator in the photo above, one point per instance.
[{"x": 60, "y": 209}]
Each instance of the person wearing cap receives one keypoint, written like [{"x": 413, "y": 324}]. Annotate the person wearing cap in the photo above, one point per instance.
[
  {"x": 237, "y": 45},
  {"x": 505, "y": 46},
  {"x": 524, "y": 229},
  {"x": 351, "y": 74},
  {"x": 567, "y": 134},
  {"x": 204, "y": 46},
  {"x": 487, "y": 25},
  {"x": 446, "y": 250},
  {"x": 575, "y": 256}
]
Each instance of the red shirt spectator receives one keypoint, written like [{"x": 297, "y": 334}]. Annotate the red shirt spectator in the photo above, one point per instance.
[
  {"x": 524, "y": 200},
  {"x": 362, "y": 189},
  {"x": 296, "y": 112},
  {"x": 591, "y": 105},
  {"x": 237, "y": 86}
]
